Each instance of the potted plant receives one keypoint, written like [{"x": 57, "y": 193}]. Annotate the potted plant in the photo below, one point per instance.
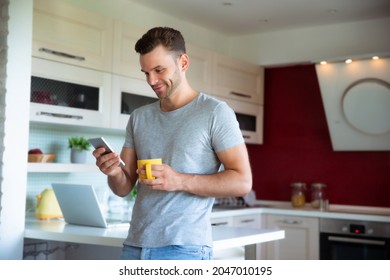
[{"x": 79, "y": 147}]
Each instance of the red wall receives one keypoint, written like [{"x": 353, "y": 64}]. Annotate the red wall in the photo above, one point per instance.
[{"x": 297, "y": 146}]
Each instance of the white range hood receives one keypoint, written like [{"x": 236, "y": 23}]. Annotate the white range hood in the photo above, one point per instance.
[{"x": 356, "y": 98}]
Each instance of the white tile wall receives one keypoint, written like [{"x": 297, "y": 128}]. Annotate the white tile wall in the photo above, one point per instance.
[{"x": 51, "y": 140}]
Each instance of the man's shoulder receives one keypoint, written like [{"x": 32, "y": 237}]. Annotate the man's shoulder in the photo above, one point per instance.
[{"x": 207, "y": 98}]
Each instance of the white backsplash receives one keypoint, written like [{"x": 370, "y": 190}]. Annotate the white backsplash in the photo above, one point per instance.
[{"x": 51, "y": 140}]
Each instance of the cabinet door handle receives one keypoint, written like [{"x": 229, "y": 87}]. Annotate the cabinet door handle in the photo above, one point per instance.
[
  {"x": 220, "y": 224},
  {"x": 241, "y": 94},
  {"x": 247, "y": 221},
  {"x": 71, "y": 56},
  {"x": 290, "y": 222},
  {"x": 56, "y": 115}
]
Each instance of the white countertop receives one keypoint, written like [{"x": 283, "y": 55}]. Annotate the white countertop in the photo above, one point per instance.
[
  {"x": 58, "y": 230},
  {"x": 223, "y": 237},
  {"x": 361, "y": 213}
]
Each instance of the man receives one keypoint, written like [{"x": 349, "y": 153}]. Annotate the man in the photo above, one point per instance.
[{"x": 203, "y": 152}]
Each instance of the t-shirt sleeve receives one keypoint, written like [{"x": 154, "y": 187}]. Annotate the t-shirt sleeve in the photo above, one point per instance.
[
  {"x": 225, "y": 128},
  {"x": 129, "y": 139}
]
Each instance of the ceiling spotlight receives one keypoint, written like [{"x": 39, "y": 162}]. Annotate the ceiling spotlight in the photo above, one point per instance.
[
  {"x": 323, "y": 62},
  {"x": 348, "y": 60},
  {"x": 375, "y": 57}
]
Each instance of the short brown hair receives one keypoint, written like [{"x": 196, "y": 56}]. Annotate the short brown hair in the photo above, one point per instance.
[{"x": 168, "y": 37}]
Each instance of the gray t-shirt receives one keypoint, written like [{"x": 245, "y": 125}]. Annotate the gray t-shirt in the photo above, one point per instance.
[{"x": 186, "y": 139}]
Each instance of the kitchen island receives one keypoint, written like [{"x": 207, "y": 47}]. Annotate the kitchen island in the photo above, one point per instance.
[{"x": 223, "y": 237}]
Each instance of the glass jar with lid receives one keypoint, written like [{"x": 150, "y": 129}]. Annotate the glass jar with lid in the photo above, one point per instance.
[
  {"x": 318, "y": 195},
  {"x": 298, "y": 197}
]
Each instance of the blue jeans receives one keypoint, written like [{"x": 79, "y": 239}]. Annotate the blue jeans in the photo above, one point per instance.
[{"x": 173, "y": 252}]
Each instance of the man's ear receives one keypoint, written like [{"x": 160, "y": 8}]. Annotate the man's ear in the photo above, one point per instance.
[{"x": 184, "y": 62}]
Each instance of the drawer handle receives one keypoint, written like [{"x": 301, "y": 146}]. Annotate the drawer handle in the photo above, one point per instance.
[
  {"x": 247, "y": 221},
  {"x": 219, "y": 224},
  {"x": 56, "y": 115},
  {"x": 290, "y": 222},
  {"x": 241, "y": 94},
  {"x": 76, "y": 57}
]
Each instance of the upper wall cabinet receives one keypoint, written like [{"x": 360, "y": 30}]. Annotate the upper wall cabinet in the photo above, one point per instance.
[
  {"x": 127, "y": 95},
  {"x": 238, "y": 80},
  {"x": 66, "y": 94},
  {"x": 199, "y": 73},
  {"x": 125, "y": 59},
  {"x": 86, "y": 72},
  {"x": 64, "y": 33}
]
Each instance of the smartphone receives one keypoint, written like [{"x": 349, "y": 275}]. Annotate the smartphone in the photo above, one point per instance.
[{"x": 101, "y": 142}]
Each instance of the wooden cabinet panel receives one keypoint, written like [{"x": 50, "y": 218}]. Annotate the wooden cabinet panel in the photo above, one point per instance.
[
  {"x": 301, "y": 238},
  {"x": 238, "y": 253},
  {"x": 130, "y": 93},
  {"x": 64, "y": 33},
  {"x": 251, "y": 221},
  {"x": 200, "y": 73},
  {"x": 52, "y": 112},
  {"x": 125, "y": 59},
  {"x": 238, "y": 80}
]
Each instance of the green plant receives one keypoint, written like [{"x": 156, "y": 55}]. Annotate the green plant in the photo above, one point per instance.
[
  {"x": 134, "y": 191},
  {"x": 79, "y": 143}
]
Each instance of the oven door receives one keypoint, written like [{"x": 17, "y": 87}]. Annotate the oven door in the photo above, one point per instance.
[{"x": 347, "y": 247}]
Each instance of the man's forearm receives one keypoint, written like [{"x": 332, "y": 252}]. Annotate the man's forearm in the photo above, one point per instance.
[
  {"x": 120, "y": 184},
  {"x": 222, "y": 184}
]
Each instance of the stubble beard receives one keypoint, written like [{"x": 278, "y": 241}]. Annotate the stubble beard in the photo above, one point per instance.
[{"x": 173, "y": 85}]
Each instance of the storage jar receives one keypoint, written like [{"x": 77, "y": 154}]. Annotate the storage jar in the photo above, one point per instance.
[
  {"x": 298, "y": 198},
  {"x": 318, "y": 195}
]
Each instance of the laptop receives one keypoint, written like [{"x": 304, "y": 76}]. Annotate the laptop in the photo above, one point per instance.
[{"x": 80, "y": 206}]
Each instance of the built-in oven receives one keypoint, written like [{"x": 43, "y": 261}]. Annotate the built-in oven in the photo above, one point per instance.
[{"x": 354, "y": 240}]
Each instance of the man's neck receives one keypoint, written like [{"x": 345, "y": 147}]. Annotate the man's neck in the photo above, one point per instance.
[{"x": 179, "y": 99}]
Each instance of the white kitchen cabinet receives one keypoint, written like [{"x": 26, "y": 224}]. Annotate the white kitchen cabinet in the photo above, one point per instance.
[
  {"x": 92, "y": 42},
  {"x": 301, "y": 238},
  {"x": 68, "y": 34},
  {"x": 250, "y": 221},
  {"x": 222, "y": 221},
  {"x": 56, "y": 89},
  {"x": 237, "y": 80},
  {"x": 127, "y": 95},
  {"x": 238, "y": 253},
  {"x": 125, "y": 59},
  {"x": 199, "y": 73},
  {"x": 231, "y": 253}
]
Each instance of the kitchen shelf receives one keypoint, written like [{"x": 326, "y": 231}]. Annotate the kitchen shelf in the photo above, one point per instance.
[{"x": 61, "y": 167}]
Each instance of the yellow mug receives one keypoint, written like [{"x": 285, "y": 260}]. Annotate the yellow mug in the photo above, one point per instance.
[{"x": 148, "y": 167}]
